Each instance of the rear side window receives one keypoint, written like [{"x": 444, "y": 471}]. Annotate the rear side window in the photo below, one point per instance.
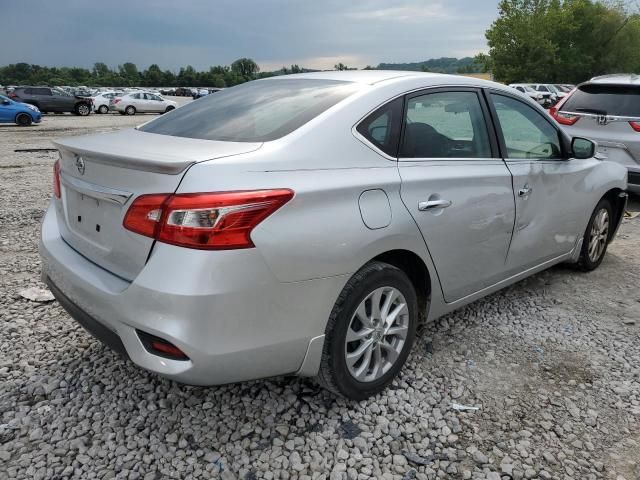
[
  {"x": 618, "y": 100},
  {"x": 258, "y": 111},
  {"x": 382, "y": 127},
  {"x": 445, "y": 125},
  {"x": 527, "y": 134},
  {"x": 41, "y": 91}
]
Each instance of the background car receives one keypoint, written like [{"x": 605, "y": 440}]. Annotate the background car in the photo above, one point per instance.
[
  {"x": 52, "y": 100},
  {"x": 537, "y": 97},
  {"x": 142, "y": 102},
  {"x": 556, "y": 95},
  {"x": 607, "y": 110},
  {"x": 308, "y": 223},
  {"x": 20, "y": 113},
  {"x": 101, "y": 101}
]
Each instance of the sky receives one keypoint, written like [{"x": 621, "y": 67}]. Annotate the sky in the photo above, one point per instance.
[{"x": 310, "y": 33}]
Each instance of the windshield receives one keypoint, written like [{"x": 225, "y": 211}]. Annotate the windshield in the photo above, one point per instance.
[
  {"x": 621, "y": 100},
  {"x": 258, "y": 111}
]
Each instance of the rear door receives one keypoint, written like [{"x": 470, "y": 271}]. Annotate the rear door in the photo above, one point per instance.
[
  {"x": 457, "y": 188},
  {"x": 550, "y": 191}
]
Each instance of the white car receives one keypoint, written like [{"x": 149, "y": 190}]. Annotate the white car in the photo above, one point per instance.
[
  {"x": 102, "y": 100},
  {"x": 528, "y": 91},
  {"x": 142, "y": 102}
]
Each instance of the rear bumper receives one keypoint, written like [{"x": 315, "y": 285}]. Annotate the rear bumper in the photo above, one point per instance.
[
  {"x": 95, "y": 328},
  {"x": 224, "y": 309}
]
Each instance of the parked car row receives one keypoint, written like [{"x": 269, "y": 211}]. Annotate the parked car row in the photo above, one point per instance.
[{"x": 546, "y": 94}]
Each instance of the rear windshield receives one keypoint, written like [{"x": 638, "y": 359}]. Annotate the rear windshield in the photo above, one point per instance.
[
  {"x": 257, "y": 111},
  {"x": 605, "y": 100}
]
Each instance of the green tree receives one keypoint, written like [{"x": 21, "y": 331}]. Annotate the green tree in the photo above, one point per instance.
[
  {"x": 245, "y": 68},
  {"x": 561, "y": 40}
]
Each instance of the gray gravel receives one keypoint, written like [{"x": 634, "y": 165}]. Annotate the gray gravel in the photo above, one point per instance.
[{"x": 553, "y": 364}]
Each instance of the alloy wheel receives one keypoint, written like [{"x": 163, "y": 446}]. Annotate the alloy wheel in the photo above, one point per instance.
[
  {"x": 376, "y": 334},
  {"x": 599, "y": 235}
]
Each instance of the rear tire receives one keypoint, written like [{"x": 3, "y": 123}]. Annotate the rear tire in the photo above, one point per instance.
[
  {"x": 169, "y": 108},
  {"x": 596, "y": 237},
  {"x": 130, "y": 110},
  {"x": 103, "y": 109},
  {"x": 370, "y": 332},
  {"x": 24, "y": 119},
  {"x": 83, "y": 109}
]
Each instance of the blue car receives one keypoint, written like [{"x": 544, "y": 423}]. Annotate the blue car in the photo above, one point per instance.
[{"x": 16, "y": 112}]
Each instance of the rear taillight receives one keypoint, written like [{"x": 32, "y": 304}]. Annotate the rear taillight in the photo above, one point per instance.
[
  {"x": 210, "y": 221},
  {"x": 56, "y": 179},
  {"x": 12, "y": 95},
  {"x": 560, "y": 117},
  {"x": 635, "y": 126},
  {"x": 160, "y": 346},
  {"x": 115, "y": 100}
]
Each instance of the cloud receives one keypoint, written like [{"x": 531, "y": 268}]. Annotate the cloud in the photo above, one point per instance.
[{"x": 201, "y": 33}]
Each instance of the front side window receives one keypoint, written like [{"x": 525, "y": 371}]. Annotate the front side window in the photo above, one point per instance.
[
  {"x": 382, "y": 127},
  {"x": 445, "y": 125},
  {"x": 527, "y": 134},
  {"x": 257, "y": 111}
]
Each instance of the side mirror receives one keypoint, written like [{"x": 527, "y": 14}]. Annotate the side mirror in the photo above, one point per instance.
[{"x": 582, "y": 148}]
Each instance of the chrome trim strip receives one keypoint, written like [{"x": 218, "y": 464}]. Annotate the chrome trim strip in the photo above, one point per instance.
[
  {"x": 602, "y": 117},
  {"x": 96, "y": 191}
]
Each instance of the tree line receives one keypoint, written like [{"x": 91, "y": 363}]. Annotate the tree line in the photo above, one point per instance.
[
  {"x": 560, "y": 41},
  {"x": 128, "y": 75}
]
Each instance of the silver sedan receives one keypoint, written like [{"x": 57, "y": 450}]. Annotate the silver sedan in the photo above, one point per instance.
[{"x": 307, "y": 224}]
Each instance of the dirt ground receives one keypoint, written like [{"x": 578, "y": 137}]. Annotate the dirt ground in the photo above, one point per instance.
[{"x": 553, "y": 363}]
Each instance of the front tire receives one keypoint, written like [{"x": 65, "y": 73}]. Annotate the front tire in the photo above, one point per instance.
[
  {"x": 103, "y": 109},
  {"x": 370, "y": 332},
  {"x": 130, "y": 110},
  {"x": 169, "y": 108},
  {"x": 24, "y": 119},
  {"x": 596, "y": 237},
  {"x": 83, "y": 109}
]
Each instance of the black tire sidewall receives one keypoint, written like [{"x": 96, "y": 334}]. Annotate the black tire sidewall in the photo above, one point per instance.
[
  {"x": 103, "y": 109},
  {"x": 130, "y": 110},
  {"x": 80, "y": 105},
  {"x": 27, "y": 122},
  {"x": 585, "y": 262},
  {"x": 346, "y": 384}
]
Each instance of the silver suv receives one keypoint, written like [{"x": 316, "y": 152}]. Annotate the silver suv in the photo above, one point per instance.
[{"x": 607, "y": 110}]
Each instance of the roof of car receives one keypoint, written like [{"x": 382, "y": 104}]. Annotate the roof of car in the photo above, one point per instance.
[
  {"x": 372, "y": 77},
  {"x": 617, "y": 79}
]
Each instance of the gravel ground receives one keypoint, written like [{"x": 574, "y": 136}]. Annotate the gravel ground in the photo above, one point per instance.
[{"x": 552, "y": 363}]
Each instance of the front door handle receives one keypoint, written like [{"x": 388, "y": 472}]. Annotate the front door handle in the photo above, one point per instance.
[
  {"x": 523, "y": 192},
  {"x": 433, "y": 205}
]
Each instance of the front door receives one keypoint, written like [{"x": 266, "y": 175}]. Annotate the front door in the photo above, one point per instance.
[
  {"x": 550, "y": 190},
  {"x": 457, "y": 188}
]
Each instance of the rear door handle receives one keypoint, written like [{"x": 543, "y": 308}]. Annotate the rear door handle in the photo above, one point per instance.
[{"x": 433, "y": 205}]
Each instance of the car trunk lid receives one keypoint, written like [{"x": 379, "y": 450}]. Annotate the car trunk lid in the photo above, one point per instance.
[{"x": 102, "y": 174}]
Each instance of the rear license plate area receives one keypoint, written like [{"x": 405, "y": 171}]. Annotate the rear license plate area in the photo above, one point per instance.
[{"x": 89, "y": 217}]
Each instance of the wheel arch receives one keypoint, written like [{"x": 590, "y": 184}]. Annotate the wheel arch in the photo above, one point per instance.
[
  {"x": 15, "y": 119},
  {"x": 618, "y": 199},
  {"x": 417, "y": 271}
]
